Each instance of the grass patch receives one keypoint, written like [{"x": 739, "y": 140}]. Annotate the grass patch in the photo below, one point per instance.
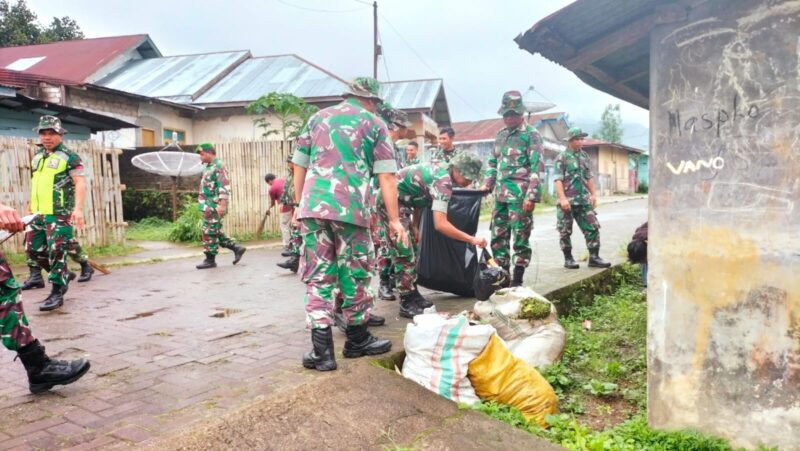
[
  {"x": 149, "y": 229},
  {"x": 111, "y": 250},
  {"x": 601, "y": 380}
]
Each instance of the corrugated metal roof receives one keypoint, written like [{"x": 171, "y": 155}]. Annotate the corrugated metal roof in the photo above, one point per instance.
[
  {"x": 179, "y": 78},
  {"x": 74, "y": 61},
  {"x": 411, "y": 95},
  {"x": 283, "y": 73},
  {"x": 486, "y": 130},
  {"x": 19, "y": 79}
]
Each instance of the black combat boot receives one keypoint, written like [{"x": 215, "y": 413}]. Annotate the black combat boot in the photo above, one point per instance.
[
  {"x": 385, "y": 289},
  {"x": 286, "y": 253},
  {"x": 44, "y": 373},
  {"x": 238, "y": 251},
  {"x": 519, "y": 271},
  {"x": 55, "y": 299},
  {"x": 209, "y": 262},
  {"x": 86, "y": 272},
  {"x": 341, "y": 323},
  {"x": 360, "y": 342},
  {"x": 35, "y": 280},
  {"x": 507, "y": 282},
  {"x": 420, "y": 300},
  {"x": 408, "y": 306},
  {"x": 570, "y": 262},
  {"x": 292, "y": 264},
  {"x": 595, "y": 261},
  {"x": 375, "y": 320},
  {"x": 321, "y": 357}
]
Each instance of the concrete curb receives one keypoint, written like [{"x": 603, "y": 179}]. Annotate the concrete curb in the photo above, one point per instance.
[{"x": 193, "y": 254}]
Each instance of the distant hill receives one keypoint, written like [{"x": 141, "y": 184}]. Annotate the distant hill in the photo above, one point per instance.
[{"x": 633, "y": 134}]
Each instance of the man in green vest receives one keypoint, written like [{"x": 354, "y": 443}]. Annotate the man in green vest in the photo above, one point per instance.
[{"x": 57, "y": 192}]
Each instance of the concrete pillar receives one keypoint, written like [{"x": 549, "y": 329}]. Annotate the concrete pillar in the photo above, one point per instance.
[{"x": 724, "y": 296}]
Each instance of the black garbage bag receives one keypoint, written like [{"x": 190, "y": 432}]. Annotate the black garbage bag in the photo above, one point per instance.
[
  {"x": 445, "y": 264},
  {"x": 488, "y": 279}
]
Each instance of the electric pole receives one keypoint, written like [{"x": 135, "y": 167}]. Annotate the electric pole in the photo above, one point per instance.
[{"x": 376, "y": 49}]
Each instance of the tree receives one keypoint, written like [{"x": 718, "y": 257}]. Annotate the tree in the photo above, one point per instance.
[
  {"x": 610, "y": 125},
  {"x": 291, "y": 111},
  {"x": 18, "y": 26}
]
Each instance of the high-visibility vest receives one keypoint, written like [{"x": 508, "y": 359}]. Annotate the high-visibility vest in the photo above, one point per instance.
[{"x": 44, "y": 192}]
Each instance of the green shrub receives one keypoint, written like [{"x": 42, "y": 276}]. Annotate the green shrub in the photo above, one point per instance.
[
  {"x": 187, "y": 228},
  {"x": 642, "y": 188}
]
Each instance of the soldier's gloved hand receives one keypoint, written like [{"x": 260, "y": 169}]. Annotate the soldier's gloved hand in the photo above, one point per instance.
[
  {"x": 479, "y": 242},
  {"x": 564, "y": 204},
  {"x": 10, "y": 220},
  {"x": 398, "y": 233}
]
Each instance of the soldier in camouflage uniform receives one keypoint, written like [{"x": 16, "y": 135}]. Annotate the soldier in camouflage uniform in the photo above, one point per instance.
[
  {"x": 398, "y": 123},
  {"x": 338, "y": 151},
  {"x": 295, "y": 238},
  {"x": 428, "y": 186},
  {"x": 213, "y": 202},
  {"x": 446, "y": 150},
  {"x": 577, "y": 199},
  {"x": 43, "y": 372},
  {"x": 513, "y": 173},
  {"x": 412, "y": 152},
  {"x": 75, "y": 252},
  {"x": 57, "y": 192}
]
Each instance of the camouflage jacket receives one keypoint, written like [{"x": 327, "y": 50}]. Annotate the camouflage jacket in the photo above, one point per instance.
[
  {"x": 413, "y": 161},
  {"x": 400, "y": 156},
  {"x": 425, "y": 185},
  {"x": 574, "y": 170},
  {"x": 515, "y": 165},
  {"x": 287, "y": 197},
  {"x": 342, "y": 147},
  {"x": 6, "y": 276},
  {"x": 214, "y": 186},
  {"x": 52, "y": 187},
  {"x": 439, "y": 156}
]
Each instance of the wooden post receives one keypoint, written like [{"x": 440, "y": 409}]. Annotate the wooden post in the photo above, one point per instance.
[{"x": 174, "y": 198}]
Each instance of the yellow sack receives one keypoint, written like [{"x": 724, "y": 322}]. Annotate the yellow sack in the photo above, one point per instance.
[{"x": 497, "y": 375}]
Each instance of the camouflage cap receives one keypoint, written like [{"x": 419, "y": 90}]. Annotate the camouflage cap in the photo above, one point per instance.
[
  {"x": 575, "y": 132},
  {"x": 468, "y": 164},
  {"x": 392, "y": 115},
  {"x": 50, "y": 123},
  {"x": 512, "y": 101},
  {"x": 206, "y": 147},
  {"x": 365, "y": 87}
]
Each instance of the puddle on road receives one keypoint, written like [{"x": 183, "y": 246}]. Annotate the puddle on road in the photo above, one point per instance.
[
  {"x": 144, "y": 314},
  {"x": 225, "y": 312}
]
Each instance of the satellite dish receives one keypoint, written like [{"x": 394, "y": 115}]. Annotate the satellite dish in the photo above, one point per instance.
[
  {"x": 169, "y": 163},
  {"x": 172, "y": 163},
  {"x": 534, "y": 106}
]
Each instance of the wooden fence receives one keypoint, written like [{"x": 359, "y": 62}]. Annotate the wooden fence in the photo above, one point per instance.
[
  {"x": 103, "y": 201},
  {"x": 248, "y": 162}
]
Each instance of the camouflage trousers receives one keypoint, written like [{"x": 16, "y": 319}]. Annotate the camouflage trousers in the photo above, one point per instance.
[
  {"x": 213, "y": 238},
  {"x": 14, "y": 328},
  {"x": 383, "y": 252},
  {"x": 295, "y": 240},
  {"x": 336, "y": 255},
  {"x": 74, "y": 251},
  {"x": 586, "y": 218},
  {"x": 509, "y": 217},
  {"x": 403, "y": 257},
  {"x": 46, "y": 241}
]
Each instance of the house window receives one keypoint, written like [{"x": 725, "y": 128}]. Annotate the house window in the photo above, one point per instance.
[{"x": 168, "y": 132}]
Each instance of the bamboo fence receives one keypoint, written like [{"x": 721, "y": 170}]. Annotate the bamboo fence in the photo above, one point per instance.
[
  {"x": 103, "y": 200},
  {"x": 247, "y": 163}
]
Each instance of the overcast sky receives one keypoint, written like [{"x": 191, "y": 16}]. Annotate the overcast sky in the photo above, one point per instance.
[{"x": 467, "y": 43}]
